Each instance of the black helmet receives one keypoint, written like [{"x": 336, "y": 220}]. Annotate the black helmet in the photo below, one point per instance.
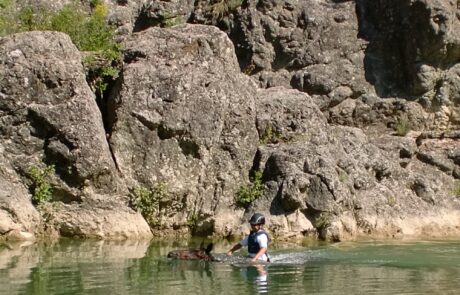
[{"x": 257, "y": 218}]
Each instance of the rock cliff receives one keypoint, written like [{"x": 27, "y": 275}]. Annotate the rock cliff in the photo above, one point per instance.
[{"x": 310, "y": 93}]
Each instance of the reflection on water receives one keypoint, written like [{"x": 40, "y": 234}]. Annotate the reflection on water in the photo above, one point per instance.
[
  {"x": 258, "y": 274},
  {"x": 253, "y": 274},
  {"x": 141, "y": 267}
]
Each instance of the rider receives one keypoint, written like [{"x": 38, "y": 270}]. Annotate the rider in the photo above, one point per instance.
[{"x": 257, "y": 240}]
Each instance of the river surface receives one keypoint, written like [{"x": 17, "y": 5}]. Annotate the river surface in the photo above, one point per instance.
[{"x": 133, "y": 267}]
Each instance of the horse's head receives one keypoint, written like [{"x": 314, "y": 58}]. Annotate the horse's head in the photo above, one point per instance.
[{"x": 200, "y": 253}]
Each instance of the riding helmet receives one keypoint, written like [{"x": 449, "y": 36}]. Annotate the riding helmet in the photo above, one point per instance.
[{"x": 257, "y": 218}]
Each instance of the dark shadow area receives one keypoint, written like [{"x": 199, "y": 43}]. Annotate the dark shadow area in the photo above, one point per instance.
[
  {"x": 164, "y": 132},
  {"x": 277, "y": 206},
  {"x": 380, "y": 23},
  {"x": 57, "y": 152},
  {"x": 243, "y": 49},
  {"x": 111, "y": 104},
  {"x": 102, "y": 100},
  {"x": 145, "y": 21},
  {"x": 405, "y": 39},
  {"x": 189, "y": 147},
  {"x": 282, "y": 60},
  {"x": 107, "y": 103}
]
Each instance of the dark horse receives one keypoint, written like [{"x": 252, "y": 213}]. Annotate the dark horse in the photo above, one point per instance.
[{"x": 200, "y": 253}]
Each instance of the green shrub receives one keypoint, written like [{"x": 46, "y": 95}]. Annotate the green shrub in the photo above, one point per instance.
[
  {"x": 456, "y": 190},
  {"x": 247, "y": 194},
  {"x": 101, "y": 76},
  {"x": 270, "y": 136},
  {"x": 166, "y": 19},
  {"x": 71, "y": 19},
  {"x": 94, "y": 3},
  {"x": 391, "y": 201},
  {"x": 5, "y": 3},
  {"x": 192, "y": 221},
  {"x": 42, "y": 190},
  {"x": 99, "y": 35},
  {"x": 89, "y": 31},
  {"x": 172, "y": 21},
  {"x": 148, "y": 202},
  {"x": 323, "y": 220},
  {"x": 403, "y": 126},
  {"x": 343, "y": 176},
  {"x": 7, "y": 17},
  {"x": 219, "y": 9}
]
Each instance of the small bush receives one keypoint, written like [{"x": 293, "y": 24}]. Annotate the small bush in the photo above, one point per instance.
[
  {"x": 42, "y": 190},
  {"x": 94, "y": 3},
  {"x": 392, "y": 201},
  {"x": 8, "y": 23},
  {"x": 343, "y": 176},
  {"x": 192, "y": 221},
  {"x": 5, "y": 3},
  {"x": 167, "y": 19},
  {"x": 456, "y": 190},
  {"x": 172, "y": 21},
  {"x": 323, "y": 220},
  {"x": 247, "y": 194},
  {"x": 100, "y": 77},
  {"x": 89, "y": 31},
  {"x": 148, "y": 202},
  {"x": 270, "y": 136},
  {"x": 250, "y": 69},
  {"x": 403, "y": 126},
  {"x": 219, "y": 9}
]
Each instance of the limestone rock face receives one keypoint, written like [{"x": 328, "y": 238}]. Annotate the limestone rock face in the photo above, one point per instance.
[
  {"x": 428, "y": 42},
  {"x": 16, "y": 211},
  {"x": 97, "y": 220},
  {"x": 50, "y": 112},
  {"x": 307, "y": 45},
  {"x": 165, "y": 13},
  {"x": 345, "y": 183},
  {"x": 344, "y": 52},
  {"x": 50, "y": 117},
  {"x": 184, "y": 115},
  {"x": 312, "y": 93}
]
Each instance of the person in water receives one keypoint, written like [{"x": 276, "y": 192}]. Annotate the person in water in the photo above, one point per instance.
[{"x": 256, "y": 241}]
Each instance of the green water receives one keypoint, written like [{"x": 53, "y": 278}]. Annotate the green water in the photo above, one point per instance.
[{"x": 76, "y": 267}]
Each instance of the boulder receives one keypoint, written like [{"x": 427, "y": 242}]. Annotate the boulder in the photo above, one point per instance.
[
  {"x": 49, "y": 117},
  {"x": 183, "y": 115}
]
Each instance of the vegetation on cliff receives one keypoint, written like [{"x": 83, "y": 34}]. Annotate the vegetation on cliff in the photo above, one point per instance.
[
  {"x": 248, "y": 193},
  {"x": 42, "y": 190},
  {"x": 149, "y": 202},
  {"x": 86, "y": 26}
]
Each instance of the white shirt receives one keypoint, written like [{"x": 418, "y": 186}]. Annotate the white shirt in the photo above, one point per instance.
[{"x": 263, "y": 243}]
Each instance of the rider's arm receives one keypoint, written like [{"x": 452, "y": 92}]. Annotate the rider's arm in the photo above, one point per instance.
[
  {"x": 263, "y": 244},
  {"x": 234, "y": 248},
  {"x": 261, "y": 252}
]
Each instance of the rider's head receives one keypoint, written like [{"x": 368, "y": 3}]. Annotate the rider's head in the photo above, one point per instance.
[{"x": 257, "y": 219}]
